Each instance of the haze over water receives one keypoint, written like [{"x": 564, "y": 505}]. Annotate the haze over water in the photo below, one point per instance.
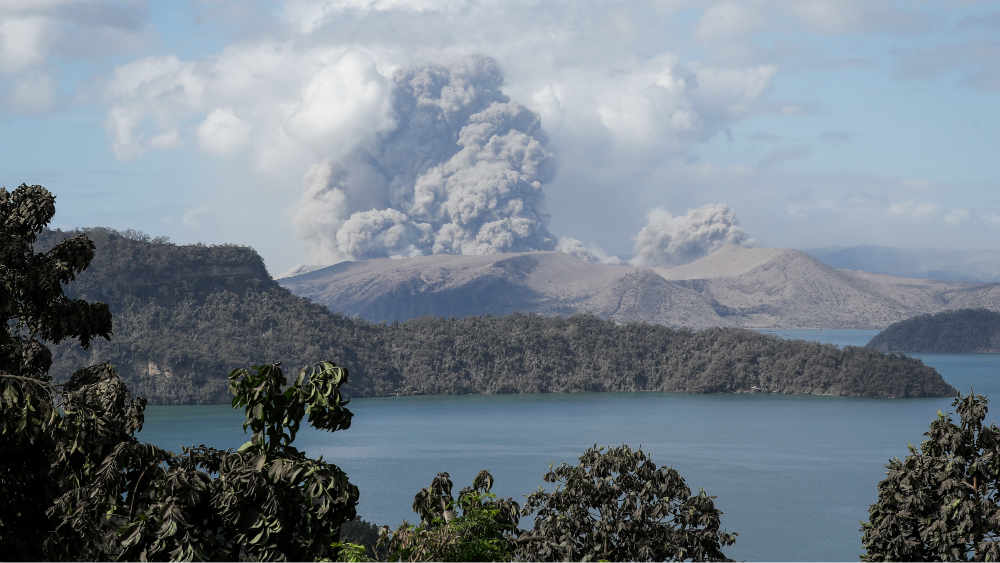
[{"x": 794, "y": 475}]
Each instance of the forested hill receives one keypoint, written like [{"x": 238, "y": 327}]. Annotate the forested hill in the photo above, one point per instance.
[
  {"x": 131, "y": 266},
  {"x": 184, "y": 316},
  {"x": 965, "y": 331}
]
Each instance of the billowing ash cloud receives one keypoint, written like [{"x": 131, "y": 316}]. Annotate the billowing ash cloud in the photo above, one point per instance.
[
  {"x": 669, "y": 240},
  {"x": 461, "y": 172}
]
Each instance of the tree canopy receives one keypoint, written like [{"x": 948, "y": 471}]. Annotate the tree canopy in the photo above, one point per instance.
[
  {"x": 476, "y": 527},
  {"x": 618, "y": 505},
  {"x": 942, "y": 502},
  {"x": 34, "y": 309}
]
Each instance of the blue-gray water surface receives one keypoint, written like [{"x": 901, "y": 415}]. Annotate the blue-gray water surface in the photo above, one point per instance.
[{"x": 794, "y": 475}]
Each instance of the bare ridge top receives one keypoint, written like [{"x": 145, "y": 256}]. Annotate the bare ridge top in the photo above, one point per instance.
[{"x": 729, "y": 261}]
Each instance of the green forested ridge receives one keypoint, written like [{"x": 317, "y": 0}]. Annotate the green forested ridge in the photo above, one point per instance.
[
  {"x": 963, "y": 331},
  {"x": 184, "y": 316}
]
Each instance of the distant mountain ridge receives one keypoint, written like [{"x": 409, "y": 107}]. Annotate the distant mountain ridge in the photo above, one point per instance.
[
  {"x": 935, "y": 264},
  {"x": 734, "y": 286},
  {"x": 548, "y": 283},
  {"x": 185, "y": 316}
]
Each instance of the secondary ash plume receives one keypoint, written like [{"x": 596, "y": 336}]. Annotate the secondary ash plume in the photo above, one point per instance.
[
  {"x": 669, "y": 240},
  {"x": 461, "y": 172},
  {"x": 593, "y": 253}
]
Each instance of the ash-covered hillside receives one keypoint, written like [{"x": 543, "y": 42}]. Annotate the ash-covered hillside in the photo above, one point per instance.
[
  {"x": 733, "y": 286},
  {"x": 548, "y": 283},
  {"x": 184, "y": 316}
]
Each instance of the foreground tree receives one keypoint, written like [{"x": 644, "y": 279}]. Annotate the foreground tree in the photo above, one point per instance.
[
  {"x": 617, "y": 505},
  {"x": 942, "y": 502},
  {"x": 265, "y": 502},
  {"x": 117, "y": 498},
  {"x": 79, "y": 485},
  {"x": 33, "y": 309},
  {"x": 484, "y": 530}
]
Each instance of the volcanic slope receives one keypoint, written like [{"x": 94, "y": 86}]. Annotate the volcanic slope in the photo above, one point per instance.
[
  {"x": 548, "y": 283},
  {"x": 734, "y": 286},
  {"x": 788, "y": 288}
]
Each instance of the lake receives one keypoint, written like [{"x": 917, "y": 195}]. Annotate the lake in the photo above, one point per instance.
[{"x": 794, "y": 475}]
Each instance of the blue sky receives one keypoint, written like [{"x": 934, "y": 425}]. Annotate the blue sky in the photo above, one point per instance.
[{"x": 817, "y": 123}]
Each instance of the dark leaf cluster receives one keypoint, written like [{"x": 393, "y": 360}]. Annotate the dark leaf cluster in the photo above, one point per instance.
[
  {"x": 107, "y": 496},
  {"x": 618, "y": 505},
  {"x": 477, "y": 526},
  {"x": 942, "y": 502},
  {"x": 33, "y": 308}
]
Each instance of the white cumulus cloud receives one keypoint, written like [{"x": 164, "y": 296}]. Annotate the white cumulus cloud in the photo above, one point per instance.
[
  {"x": 348, "y": 96},
  {"x": 282, "y": 104},
  {"x": 21, "y": 42},
  {"x": 223, "y": 132}
]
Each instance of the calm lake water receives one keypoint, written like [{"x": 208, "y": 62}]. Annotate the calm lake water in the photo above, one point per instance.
[{"x": 793, "y": 475}]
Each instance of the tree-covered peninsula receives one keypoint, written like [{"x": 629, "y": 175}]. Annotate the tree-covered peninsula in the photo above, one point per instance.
[
  {"x": 185, "y": 316},
  {"x": 964, "y": 331}
]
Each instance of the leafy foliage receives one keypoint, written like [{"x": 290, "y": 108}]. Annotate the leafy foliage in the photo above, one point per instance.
[
  {"x": 64, "y": 454},
  {"x": 485, "y": 529},
  {"x": 73, "y": 468},
  {"x": 942, "y": 502},
  {"x": 32, "y": 304},
  {"x": 34, "y": 309},
  {"x": 363, "y": 534},
  {"x": 617, "y": 505},
  {"x": 964, "y": 331},
  {"x": 266, "y": 502},
  {"x": 274, "y": 414},
  {"x": 116, "y": 498},
  {"x": 186, "y": 313},
  {"x": 351, "y": 552}
]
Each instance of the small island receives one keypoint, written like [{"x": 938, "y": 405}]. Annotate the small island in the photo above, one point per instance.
[{"x": 963, "y": 331}]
